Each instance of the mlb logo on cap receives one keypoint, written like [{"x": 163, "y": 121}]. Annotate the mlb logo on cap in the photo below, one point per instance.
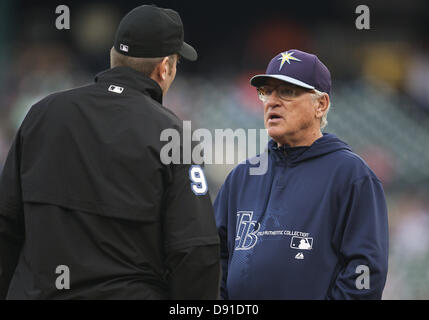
[
  {"x": 123, "y": 47},
  {"x": 299, "y": 68}
]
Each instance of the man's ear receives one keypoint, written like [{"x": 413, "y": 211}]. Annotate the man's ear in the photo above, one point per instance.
[
  {"x": 161, "y": 70},
  {"x": 322, "y": 105},
  {"x": 164, "y": 68}
]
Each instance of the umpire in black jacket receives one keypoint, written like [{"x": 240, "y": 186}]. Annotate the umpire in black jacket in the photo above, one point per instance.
[{"x": 87, "y": 208}]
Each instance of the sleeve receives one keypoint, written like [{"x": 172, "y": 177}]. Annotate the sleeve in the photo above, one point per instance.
[
  {"x": 11, "y": 216},
  {"x": 221, "y": 215},
  {"x": 364, "y": 246},
  {"x": 191, "y": 242}
]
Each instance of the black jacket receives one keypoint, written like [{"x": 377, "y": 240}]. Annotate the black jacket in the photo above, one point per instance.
[{"x": 83, "y": 188}]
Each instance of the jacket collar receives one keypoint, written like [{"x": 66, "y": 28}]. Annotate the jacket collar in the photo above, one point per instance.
[
  {"x": 133, "y": 79},
  {"x": 292, "y": 156},
  {"x": 285, "y": 153}
]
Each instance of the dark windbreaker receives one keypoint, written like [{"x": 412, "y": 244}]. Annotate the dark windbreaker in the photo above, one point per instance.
[
  {"x": 313, "y": 227},
  {"x": 84, "y": 188}
]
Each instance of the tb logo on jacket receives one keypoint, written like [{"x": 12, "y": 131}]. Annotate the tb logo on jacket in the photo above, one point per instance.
[{"x": 246, "y": 237}]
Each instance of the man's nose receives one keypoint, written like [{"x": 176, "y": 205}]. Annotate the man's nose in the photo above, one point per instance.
[{"x": 273, "y": 100}]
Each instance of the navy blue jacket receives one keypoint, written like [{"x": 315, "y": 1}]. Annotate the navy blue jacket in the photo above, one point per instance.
[{"x": 313, "y": 227}]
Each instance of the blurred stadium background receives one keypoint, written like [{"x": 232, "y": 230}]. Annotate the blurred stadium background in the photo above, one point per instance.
[{"x": 380, "y": 100}]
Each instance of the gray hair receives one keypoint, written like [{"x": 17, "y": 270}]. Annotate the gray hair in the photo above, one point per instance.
[{"x": 324, "y": 120}]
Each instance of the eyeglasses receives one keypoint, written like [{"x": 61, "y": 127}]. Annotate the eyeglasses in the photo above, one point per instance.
[{"x": 284, "y": 92}]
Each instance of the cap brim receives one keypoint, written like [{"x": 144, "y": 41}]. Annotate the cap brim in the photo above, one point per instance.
[
  {"x": 188, "y": 52},
  {"x": 260, "y": 79}
]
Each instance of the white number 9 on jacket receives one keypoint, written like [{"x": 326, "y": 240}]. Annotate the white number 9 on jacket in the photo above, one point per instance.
[{"x": 199, "y": 183}]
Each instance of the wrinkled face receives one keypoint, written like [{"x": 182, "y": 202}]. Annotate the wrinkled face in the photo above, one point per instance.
[{"x": 289, "y": 110}]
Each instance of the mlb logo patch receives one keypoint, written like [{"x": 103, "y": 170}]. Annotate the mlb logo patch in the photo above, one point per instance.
[
  {"x": 115, "y": 89},
  {"x": 123, "y": 47},
  {"x": 301, "y": 243}
]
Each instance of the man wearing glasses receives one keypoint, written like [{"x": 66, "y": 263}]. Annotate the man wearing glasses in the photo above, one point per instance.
[{"x": 314, "y": 226}]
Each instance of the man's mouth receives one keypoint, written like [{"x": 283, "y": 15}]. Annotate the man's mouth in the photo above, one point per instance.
[{"x": 273, "y": 117}]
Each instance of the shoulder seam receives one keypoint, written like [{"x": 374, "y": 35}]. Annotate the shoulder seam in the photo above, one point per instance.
[{"x": 366, "y": 177}]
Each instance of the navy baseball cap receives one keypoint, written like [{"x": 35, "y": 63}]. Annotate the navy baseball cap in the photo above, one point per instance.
[{"x": 299, "y": 68}]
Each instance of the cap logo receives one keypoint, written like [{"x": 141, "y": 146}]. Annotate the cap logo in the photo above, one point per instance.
[
  {"x": 123, "y": 47},
  {"x": 286, "y": 56}
]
